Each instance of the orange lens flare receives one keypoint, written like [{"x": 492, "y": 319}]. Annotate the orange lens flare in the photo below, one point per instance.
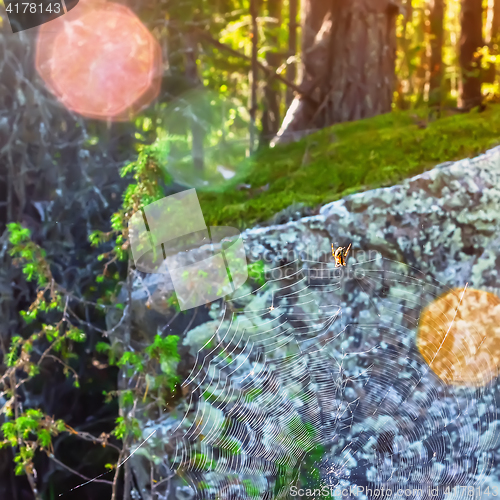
[
  {"x": 459, "y": 337},
  {"x": 100, "y": 61}
]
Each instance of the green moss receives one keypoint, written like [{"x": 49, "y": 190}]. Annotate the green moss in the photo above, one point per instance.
[
  {"x": 251, "y": 489},
  {"x": 253, "y": 394},
  {"x": 348, "y": 158}
]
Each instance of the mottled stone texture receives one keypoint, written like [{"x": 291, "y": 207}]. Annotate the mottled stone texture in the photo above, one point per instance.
[{"x": 327, "y": 357}]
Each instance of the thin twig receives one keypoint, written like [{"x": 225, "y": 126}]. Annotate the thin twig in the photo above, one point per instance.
[
  {"x": 104, "y": 481},
  {"x": 122, "y": 319},
  {"x": 117, "y": 472},
  {"x": 55, "y": 358},
  {"x": 29, "y": 475},
  {"x": 301, "y": 92},
  {"x": 190, "y": 322},
  {"x": 128, "y": 335},
  {"x": 87, "y": 436},
  {"x": 168, "y": 478},
  {"x": 152, "y": 480}
]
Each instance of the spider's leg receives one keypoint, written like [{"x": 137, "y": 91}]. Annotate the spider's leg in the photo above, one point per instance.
[
  {"x": 348, "y": 248},
  {"x": 347, "y": 251}
]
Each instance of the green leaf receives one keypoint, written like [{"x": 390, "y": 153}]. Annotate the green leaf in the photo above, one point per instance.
[
  {"x": 44, "y": 438},
  {"x": 77, "y": 336},
  {"x": 102, "y": 347}
]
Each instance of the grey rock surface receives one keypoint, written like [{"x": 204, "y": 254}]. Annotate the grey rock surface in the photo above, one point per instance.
[{"x": 317, "y": 367}]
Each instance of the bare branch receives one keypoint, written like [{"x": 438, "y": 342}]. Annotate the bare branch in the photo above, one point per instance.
[
  {"x": 265, "y": 68},
  {"x": 58, "y": 462}
]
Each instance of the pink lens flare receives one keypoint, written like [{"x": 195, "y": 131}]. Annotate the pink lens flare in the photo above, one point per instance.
[{"x": 100, "y": 61}]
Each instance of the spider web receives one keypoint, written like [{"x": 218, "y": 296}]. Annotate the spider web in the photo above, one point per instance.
[{"x": 314, "y": 379}]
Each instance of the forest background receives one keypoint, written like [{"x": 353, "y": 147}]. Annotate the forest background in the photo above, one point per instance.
[{"x": 239, "y": 79}]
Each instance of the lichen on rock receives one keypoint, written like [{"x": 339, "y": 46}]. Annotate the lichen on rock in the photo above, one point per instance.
[{"x": 328, "y": 359}]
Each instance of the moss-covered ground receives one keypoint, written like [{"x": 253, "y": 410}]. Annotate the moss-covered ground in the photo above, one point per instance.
[{"x": 345, "y": 159}]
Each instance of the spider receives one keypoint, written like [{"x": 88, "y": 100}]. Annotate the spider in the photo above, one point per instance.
[{"x": 340, "y": 255}]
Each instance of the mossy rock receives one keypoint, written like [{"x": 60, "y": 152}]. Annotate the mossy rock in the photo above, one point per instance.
[{"x": 348, "y": 158}]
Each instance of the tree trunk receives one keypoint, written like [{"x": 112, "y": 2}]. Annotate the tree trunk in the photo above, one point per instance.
[
  {"x": 492, "y": 37},
  {"x": 471, "y": 21},
  {"x": 436, "y": 32},
  {"x": 423, "y": 59},
  {"x": 198, "y": 132},
  {"x": 348, "y": 64},
  {"x": 291, "y": 70},
  {"x": 254, "y": 73},
  {"x": 405, "y": 41},
  {"x": 271, "y": 117}
]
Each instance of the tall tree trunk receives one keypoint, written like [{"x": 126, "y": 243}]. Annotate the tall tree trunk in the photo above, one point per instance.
[
  {"x": 291, "y": 70},
  {"x": 271, "y": 117},
  {"x": 471, "y": 21},
  {"x": 254, "y": 73},
  {"x": 198, "y": 132},
  {"x": 492, "y": 37},
  {"x": 348, "y": 64},
  {"x": 423, "y": 59},
  {"x": 405, "y": 64},
  {"x": 436, "y": 32}
]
